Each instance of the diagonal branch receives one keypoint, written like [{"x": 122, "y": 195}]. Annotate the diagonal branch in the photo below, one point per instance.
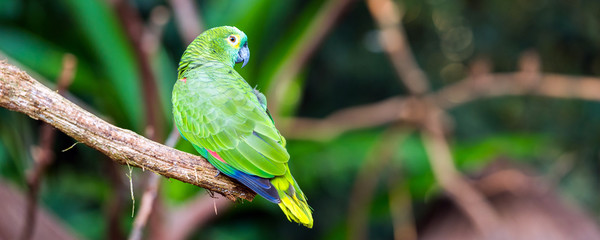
[
  {"x": 44, "y": 156},
  {"x": 388, "y": 16},
  {"x": 149, "y": 199},
  {"x": 135, "y": 30},
  {"x": 19, "y": 92},
  {"x": 473, "y": 203},
  {"x": 488, "y": 85},
  {"x": 393, "y": 38}
]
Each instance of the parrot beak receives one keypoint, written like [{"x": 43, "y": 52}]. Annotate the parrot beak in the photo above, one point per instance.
[{"x": 243, "y": 55}]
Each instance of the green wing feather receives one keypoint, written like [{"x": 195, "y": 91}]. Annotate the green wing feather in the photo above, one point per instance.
[{"x": 219, "y": 111}]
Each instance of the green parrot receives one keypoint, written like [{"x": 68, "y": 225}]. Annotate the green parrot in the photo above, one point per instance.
[{"x": 228, "y": 123}]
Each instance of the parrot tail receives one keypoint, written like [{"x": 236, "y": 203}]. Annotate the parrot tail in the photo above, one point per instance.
[{"x": 293, "y": 202}]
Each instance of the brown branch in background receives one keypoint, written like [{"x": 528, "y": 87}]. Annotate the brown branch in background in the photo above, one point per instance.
[
  {"x": 308, "y": 42},
  {"x": 356, "y": 117},
  {"x": 401, "y": 206},
  {"x": 150, "y": 194},
  {"x": 395, "y": 43},
  {"x": 470, "y": 89},
  {"x": 146, "y": 45},
  {"x": 159, "y": 17},
  {"x": 43, "y": 155},
  {"x": 48, "y": 227},
  {"x": 388, "y": 16},
  {"x": 118, "y": 201},
  {"x": 529, "y": 210},
  {"x": 150, "y": 40},
  {"x": 366, "y": 181},
  {"x": 19, "y": 92},
  {"x": 135, "y": 31},
  {"x": 481, "y": 84},
  {"x": 186, "y": 219},
  {"x": 189, "y": 21},
  {"x": 465, "y": 196},
  {"x": 518, "y": 84}
]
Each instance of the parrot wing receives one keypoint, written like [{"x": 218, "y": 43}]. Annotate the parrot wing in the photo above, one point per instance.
[{"x": 223, "y": 115}]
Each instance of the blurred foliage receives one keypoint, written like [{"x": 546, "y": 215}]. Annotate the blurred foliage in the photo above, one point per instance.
[{"x": 348, "y": 69}]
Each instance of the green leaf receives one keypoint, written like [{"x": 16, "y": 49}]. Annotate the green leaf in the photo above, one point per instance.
[
  {"x": 108, "y": 41},
  {"x": 166, "y": 74},
  {"x": 43, "y": 58},
  {"x": 471, "y": 155}
]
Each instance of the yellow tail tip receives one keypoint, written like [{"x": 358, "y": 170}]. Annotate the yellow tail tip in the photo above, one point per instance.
[
  {"x": 292, "y": 200},
  {"x": 297, "y": 210}
]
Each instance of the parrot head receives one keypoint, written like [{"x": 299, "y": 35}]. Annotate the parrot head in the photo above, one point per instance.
[{"x": 226, "y": 44}]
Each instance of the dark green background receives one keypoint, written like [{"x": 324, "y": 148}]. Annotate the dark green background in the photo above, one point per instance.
[{"x": 347, "y": 69}]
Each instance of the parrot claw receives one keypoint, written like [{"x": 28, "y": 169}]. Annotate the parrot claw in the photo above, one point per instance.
[{"x": 218, "y": 173}]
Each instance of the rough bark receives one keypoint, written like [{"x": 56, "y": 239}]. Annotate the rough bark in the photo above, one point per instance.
[{"x": 20, "y": 92}]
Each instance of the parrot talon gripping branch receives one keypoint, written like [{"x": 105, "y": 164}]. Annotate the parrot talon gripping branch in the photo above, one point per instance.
[{"x": 228, "y": 123}]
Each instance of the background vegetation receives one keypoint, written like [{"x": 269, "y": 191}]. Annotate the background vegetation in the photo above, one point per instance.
[{"x": 367, "y": 131}]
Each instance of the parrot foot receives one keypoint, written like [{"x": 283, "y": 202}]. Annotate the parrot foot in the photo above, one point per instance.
[{"x": 218, "y": 173}]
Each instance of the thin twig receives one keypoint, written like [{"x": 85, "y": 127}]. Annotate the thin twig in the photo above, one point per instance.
[
  {"x": 145, "y": 207},
  {"x": 150, "y": 195},
  {"x": 465, "y": 91},
  {"x": 136, "y": 31},
  {"x": 388, "y": 16},
  {"x": 182, "y": 222},
  {"x": 159, "y": 17},
  {"x": 401, "y": 207},
  {"x": 308, "y": 42},
  {"x": 195, "y": 213},
  {"x": 466, "y": 197},
  {"x": 189, "y": 21},
  {"x": 116, "y": 205},
  {"x": 366, "y": 181},
  {"x": 395, "y": 43},
  {"x": 145, "y": 40},
  {"x": 43, "y": 155},
  {"x": 19, "y": 92}
]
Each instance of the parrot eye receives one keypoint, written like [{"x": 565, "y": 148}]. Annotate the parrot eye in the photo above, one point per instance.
[{"x": 232, "y": 39}]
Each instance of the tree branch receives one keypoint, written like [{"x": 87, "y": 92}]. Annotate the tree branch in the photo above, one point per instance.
[
  {"x": 135, "y": 30},
  {"x": 398, "y": 108},
  {"x": 43, "y": 155},
  {"x": 19, "y": 92},
  {"x": 188, "y": 19},
  {"x": 429, "y": 117},
  {"x": 474, "y": 205},
  {"x": 388, "y": 16},
  {"x": 193, "y": 215},
  {"x": 374, "y": 167},
  {"x": 150, "y": 194}
]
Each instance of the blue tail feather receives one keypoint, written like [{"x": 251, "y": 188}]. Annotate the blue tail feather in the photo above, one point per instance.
[{"x": 262, "y": 186}]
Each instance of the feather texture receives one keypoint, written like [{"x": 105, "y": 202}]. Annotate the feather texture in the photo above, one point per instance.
[{"x": 228, "y": 122}]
